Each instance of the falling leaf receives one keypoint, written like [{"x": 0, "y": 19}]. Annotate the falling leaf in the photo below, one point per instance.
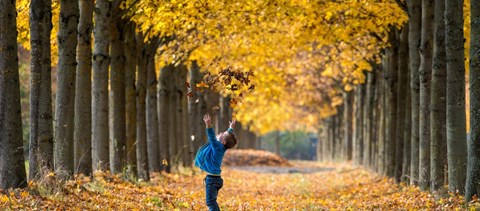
[
  {"x": 189, "y": 94},
  {"x": 216, "y": 108},
  {"x": 202, "y": 85},
  {"x": 187, "y": 84},
  {"x": 197, "y": 100}
]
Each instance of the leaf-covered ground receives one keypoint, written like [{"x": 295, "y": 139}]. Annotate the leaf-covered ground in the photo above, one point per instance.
[{"x": 336, "y": 187}]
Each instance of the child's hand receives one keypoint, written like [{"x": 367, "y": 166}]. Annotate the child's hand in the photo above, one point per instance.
[
  {"x": 232, "y": 123},
  {"x": 207, "y": 120}
]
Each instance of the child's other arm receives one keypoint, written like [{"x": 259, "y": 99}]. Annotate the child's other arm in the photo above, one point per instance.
[{"x": 210, "y": 133}]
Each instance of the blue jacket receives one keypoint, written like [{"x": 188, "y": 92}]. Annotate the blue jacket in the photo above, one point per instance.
[{"x": 209, "y": 157}]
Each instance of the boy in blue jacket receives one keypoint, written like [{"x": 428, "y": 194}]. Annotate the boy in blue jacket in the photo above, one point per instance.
[{"x": 209, "y": 159}]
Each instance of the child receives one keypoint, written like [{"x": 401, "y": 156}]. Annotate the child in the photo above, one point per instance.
[{"x": 209, "y": 158}]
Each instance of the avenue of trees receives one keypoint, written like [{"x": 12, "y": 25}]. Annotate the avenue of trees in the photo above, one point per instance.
[
  {"x": 408, "y": 120},
  {"x": 382, "y": 81}
]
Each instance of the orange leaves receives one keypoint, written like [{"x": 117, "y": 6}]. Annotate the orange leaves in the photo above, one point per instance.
[
  {"x": 324, "y": 187},
  {"x": 253, "y": 158}
]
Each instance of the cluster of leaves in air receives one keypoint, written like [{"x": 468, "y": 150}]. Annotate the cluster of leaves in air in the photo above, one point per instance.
[{"x": 328, "y": 188}]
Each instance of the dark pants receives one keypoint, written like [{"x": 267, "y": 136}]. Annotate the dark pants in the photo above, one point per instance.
[{"x": 212, "y": 186}]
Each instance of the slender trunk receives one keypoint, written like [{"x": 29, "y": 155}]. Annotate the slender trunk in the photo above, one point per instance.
[
  {"x": 438, "y": 119},
  {"x": 401, "y": 101},
  {"x": 142, "y": 157},
  {"x": 473, "y": 172},
  {"x": 117, "y": 96},
  {"x": 131, "y": 109},
  {"x": 197, "y": 107},
  {"x": 368, "y": 119},
  {"x": 456, "y": 128},
  {"x": 391, "y": 94},
  {"x": 325, "y": 138},
  {"x": 381, "y": 122},
  {"x": 358, "y": 140},
  {"x": 348, "y": 99},
  {"x": 414, "y": 26},
  {"x": 184, "y": 118},
  {"x": 407, "y": 131},
  {"x": 83, "y": 99},
  {"x": 101, "y": 60},
  {"x": 339, "y": 133},
  {"x": 225, "y": 113},
  {"x": 65, "y": 102},
  {"x": 333, "y": 138},
  {"x": 277, "y": 142},
  {"x": 41, "y": 122},
  {"x": 164, "y": 115},
  {"x": 152, "y": 115},
  {"x": 12, "y": 164},
  {"x": 173, "y": 137},
  {"x": 425, "y": 71}
]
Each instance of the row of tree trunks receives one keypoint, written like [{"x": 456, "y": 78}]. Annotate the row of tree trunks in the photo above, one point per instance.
[{"x": 417, "y": 136}]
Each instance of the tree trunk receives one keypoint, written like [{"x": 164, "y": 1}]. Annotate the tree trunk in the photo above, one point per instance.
[
  {"x": 41, "y": 128},
  {"x": 187, "y": 153},
  {"x": 438, "y": 119},
  {"x": 197, "y": 107},
  {"x": 173, "y": 121},
  {"x": 101, "y": 61},
  {"x": 347, "y": 143},
  {"x": 277, "y": 142},
  {"x": 473, "y": 172},
  {"x": 401, "y": 101},
  {"x": 407, "y": 131},
  {"x": 456, "y": 128},
  {"x": 83, "y": 99},
  {"x": 225, "y": 114},
  {"x": 12, "y": 164},
  {"x": 368, "y": 119},
  {"x": 117, "y": 95},
  {"x": 325, "y": 138},
  {"x": 414, "y": 26},
  {"x": 152, "y": 114},
  {"x": 391, "y": 81},
  {"x": 358, "y": 131},
  {"x": 164, "y": 115},
  {"x": 142, "y": 157},
  {"x": 339, "y": 133},
  {"x": 131, "y": 102},
  {"x": 65, "y": 102},
  {"x": 381, "y": 122},
  {"x": 425, "y": 71}
]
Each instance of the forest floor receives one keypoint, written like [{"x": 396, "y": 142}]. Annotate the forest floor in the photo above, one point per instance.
[{"x": 300, "y": 186}]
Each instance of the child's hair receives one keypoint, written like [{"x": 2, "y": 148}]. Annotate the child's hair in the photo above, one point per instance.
[{"x": 230, "y": 140}]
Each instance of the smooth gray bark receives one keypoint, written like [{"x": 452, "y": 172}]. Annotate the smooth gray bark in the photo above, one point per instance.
[
  {"x": 131, "y": 102},
  {"x": 414, "y": 26},
  {"x": 101, "y": 60},
  {"x": 438, "y": 119},
  {"x": 456, "y": 123},
  {"x": 117, "y": 142},
  {"x": 12, "y": 164},
  {"x": 401, "y": 101},
  {"x": 473, "y": 172},
  {"x": 358, "y": 130},
  {"x": 425, "y": 71},
  {"x": 197, "y": 108},
  {"x": 65, "y": 102},
  {"x": 82, "y": 136},
  {"x": 368, "y": 119},
  {"x": 41, "y": 121},
  {"x": 142, "y": 157},
  {"x": 152, "y": 115},
  {"x": 164, "y": 115},
  {"x": 391, "y": 81},
  {"x": 347, "y": 143}
]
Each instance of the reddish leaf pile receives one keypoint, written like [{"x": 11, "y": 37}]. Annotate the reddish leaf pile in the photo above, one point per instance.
[{"x": 248, "y": 157}]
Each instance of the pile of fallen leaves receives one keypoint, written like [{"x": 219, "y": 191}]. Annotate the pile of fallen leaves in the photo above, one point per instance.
[
  {"x": 338, "y": 187},
  {"x": 250, "y": 157}
]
